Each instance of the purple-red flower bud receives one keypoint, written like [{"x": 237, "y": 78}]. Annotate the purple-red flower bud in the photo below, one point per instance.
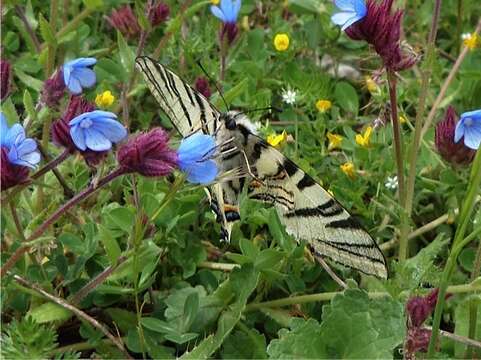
[
  {"x": 202, "y": 86},
  {"x": 229, "y": 31},
  {"x": 61, "y": 130},
  {"x": 124, "y": 20},
  {"x": 53, "y": 89},
  {"x": 11, "y": 174},
  {"x": 382, "y": 28},
  {"x": 4, "y": 79},
  {"x": 148, "y": 154},
  {"x": 159, "y": 13},
  {"x": 452, "y": 152},
  {"x": 417, "y": 339}
]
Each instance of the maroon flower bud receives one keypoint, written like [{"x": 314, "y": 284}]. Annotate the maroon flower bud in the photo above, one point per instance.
[
  {"x": 159, "y": 13},
  {"x": 4, "y": 79},
  {"x": 382, "y": 29},
  {"x": 53, "y": 89},
  {"x": 148, "y": 154},
  {"x": 419, "y": 308},
  {"x": 417, "y": 339},
  {"x": 229, "y": 30},
  {"x": 454, "y": 153},
  {"x": 61, "y": 130},
  {"x": 11, "y": 174},
  {"x": 124, "y": 20},
  {"x": 202, "y": 86}
]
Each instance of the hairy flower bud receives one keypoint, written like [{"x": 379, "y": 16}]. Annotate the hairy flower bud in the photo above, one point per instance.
[
  {"x": 158, "y": 13},
  {"x": 4, "y": 79},
  {"x": 202, "y": 86},
  {"x": 124, "y": 20},
  {"x": 53, "y": 89},
  {"x": 148, "y": 154},
  {"x": 452, "y": 152}
]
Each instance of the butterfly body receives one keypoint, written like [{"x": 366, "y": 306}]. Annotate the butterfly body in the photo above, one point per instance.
[{"x": 308, "y": 212}]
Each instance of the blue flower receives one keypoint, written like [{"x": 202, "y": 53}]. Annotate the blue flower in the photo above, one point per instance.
[
  {"x": 96, "y": 130},
  {"x": 228, "y": 10},
  {"x": 21, "y": 150},
  {"x": 77, "y": 74},
  {"x": 469, "y": 126},
  {"x": 194, "y": 158},
  {"x": 351, "y": 11}
]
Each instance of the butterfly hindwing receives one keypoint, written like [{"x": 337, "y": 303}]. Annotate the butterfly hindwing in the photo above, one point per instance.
[{"x": 310, "y": 213}]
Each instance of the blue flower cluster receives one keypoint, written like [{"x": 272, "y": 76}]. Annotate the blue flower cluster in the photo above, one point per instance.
[
  {"x": 351, "y": 12},
  {"x": 469, "y": 127},
  {"x": 195, "y": 158},
  {"x": 228, "y": 11},
  {"x": 77, "y": 74}
]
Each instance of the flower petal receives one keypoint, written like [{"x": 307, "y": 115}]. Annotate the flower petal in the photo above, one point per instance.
[
  {"x": 459, "y": 131},
  {"x": 345, "y": 5},
  {"x": 86, "y": 77},
  {"x": 476, "y": 114},
  {"x": 193, "y": 148},
  {"x": 217, "y": 12},
  {"x": 26, "y": 146},
  {"x": 78, "y": 137},
  {"x": 96, "y": 141},
  {"x": 342, "y": 17},
  {"x": 31, "y": 159},
  {"x": 3, "y": 128},
  {"x": 472, "y": 137},
  {"x": 78, "y": 119},
  {"x": 74, "y": 85},
  {"x": 111, "y": 129},
  {"x": 15, "y": 134},
  {"x": 82, "y": 62},
  {"x": 203, "y": 173}
]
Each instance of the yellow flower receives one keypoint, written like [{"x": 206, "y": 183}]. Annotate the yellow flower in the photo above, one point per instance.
[
  {"x": 402, "y": 119},
  {"x": 470, "y": 40},
  {"x": 364, "y": 139},
  {"x": 281, "y": 42},
  {"x": 371, "y": 84},
  {"x": 334, "y": 141},
  {"x": 323, "y": 105},
  {"x": 277, "y": 140},
  {"x": 215, "y": 2},
  {"x": 105, "y": 99},
  {"x": 348, "y": 169}
]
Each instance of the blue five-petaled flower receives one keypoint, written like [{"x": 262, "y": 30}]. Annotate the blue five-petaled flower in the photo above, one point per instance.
[
  {"x": 195, "y": 158},
  {"x": 77, "y": 74},
  {"x": 96, "y": 130},
  {"x": 228, "y": 10},
  {"x": 21, "y": 150},
  {"x": 351, "y": 11},
  {"x": 469, "y": 126}
]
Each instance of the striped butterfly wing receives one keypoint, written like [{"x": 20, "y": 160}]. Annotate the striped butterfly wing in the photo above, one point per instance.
[
  {"x": 188, "y": 110},
  {"x": 310, "y": 213}
]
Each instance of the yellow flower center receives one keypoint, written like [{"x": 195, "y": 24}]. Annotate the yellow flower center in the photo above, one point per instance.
[
  {"x": 215, "y": 2},
  {"x": 277, "y": 140},
  {"x": 281, "y": 42},
  {"x": 335, "y": 141},
  {"x": 348, "y": 169},
  {"x": 323, "y": 105},
  {"x": 364, "y": 139},
  {"x": 104, "y": 99}
]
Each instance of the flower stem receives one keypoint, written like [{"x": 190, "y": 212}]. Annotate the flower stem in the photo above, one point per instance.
[
  {"x": 57, "y": 215},
  {"x": 473, "y": 305},
  {"x": 399, "y": 158},
  {"x": 33, "y": 37},
  {"x": 458, "y": 244}
]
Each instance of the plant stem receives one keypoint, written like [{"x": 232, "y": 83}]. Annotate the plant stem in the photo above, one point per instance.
[
  {"x": 217, "y": 266},
  {"x": 473, "y": 306},
  {"x": 458, "y": 243},
  {"x": 57, "y": 215},
  {"x": 416, "y": 138},
  {"x": 447, "y": 82},
  {"x": 399, "y": 158},
  {"x": 458, "y": 338},
  {"x": 76, "y": 311},
  {"x": 21, "y": 14}
]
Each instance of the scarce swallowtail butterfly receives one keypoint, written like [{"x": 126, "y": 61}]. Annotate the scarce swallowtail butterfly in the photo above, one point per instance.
[{"x": 306, "y": 209}]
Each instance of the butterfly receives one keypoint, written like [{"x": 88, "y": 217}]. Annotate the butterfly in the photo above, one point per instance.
[{"x": 308, "y": 212}]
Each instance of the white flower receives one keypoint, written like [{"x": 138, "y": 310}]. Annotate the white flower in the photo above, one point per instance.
[
  {"x": 391, "y": 182},
  {"x": 289, "y": 96},
  {"x": 466, "y": 36}
]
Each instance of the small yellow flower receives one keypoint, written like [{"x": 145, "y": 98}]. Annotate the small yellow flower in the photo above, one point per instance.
[
  {"x": 323, "y": 105},
  {"x": 281, "y": 42},
  {"x": 335, "y": 141},
  {"x": 364, "y": 139},
  {"x": 471, "y": 41},
  {"x": 277, "y": 140},
  {"x": 105, "y": 99},
  {"x": 348, "y": 169},
  {"x": 215, "y": 2},
  {"x": 402, "y": 119},
  {"x": 371, "y": 85}
]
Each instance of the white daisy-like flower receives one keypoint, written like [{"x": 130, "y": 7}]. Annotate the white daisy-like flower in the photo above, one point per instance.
[
  {"x": 391, "y": 183},
  {"x": 289, "y": 96}
]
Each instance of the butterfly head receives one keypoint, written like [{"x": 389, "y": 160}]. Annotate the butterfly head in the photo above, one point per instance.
[{"x": 235, "y": 120}]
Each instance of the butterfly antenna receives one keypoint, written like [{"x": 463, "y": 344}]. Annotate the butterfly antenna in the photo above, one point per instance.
[
  {"x": 268, "y": 108},
  {"x": 215, "y": 84}
]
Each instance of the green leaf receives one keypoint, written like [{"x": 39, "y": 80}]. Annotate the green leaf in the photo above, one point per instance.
[
  {"x": 9, "y": 111},
  {"x": 93, "y": 4},
  {"x": 268, "y": 259},
  {"x": 29, "y": 106},
  {"x": 127, "y": 56},
  {"x": 249, "y": 249},
  {"x": 191, "y": 307},
  {"x": 234, "y": 92},
  {"x": 157, "y": 325},
  {"x": 246, "y": 344},
  {"x": 29, "y": 81},
  {"x": 112, "y": 248},
  {"x": 122, "y": 318},
  {"x": 72, "y": 242},
  {"x": 461, "y": 320},
  {"x": 47, "y": 32},
  {"x": 49, "y": 312},
  {"x": 346, "y": 97},
  {"x": 122, "y": 218}
]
